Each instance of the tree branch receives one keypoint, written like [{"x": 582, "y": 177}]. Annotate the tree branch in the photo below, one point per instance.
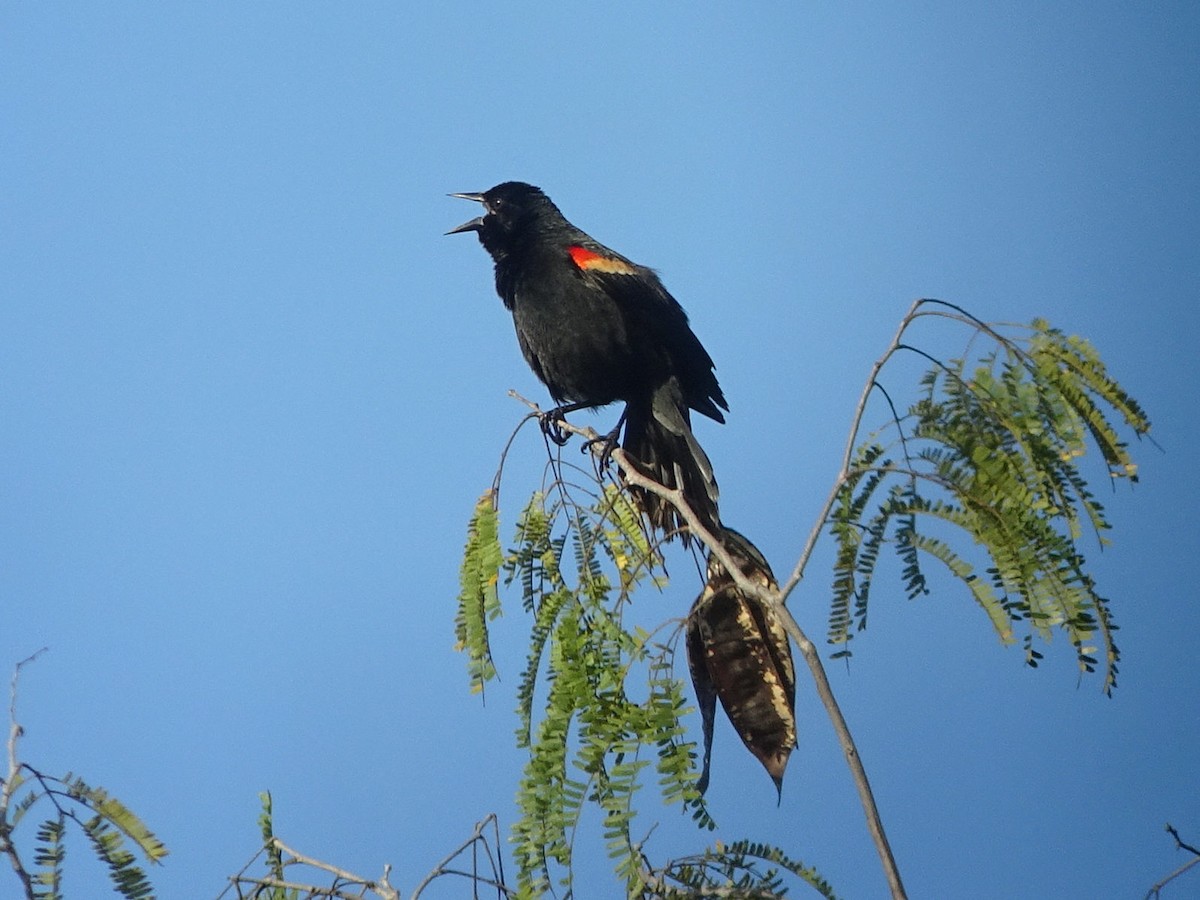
[
  {"x": 1156, "y": 890},
  {"x": 476, "y": 837},
  {"x": 849, "y": 749},
  {"x": 13, "y": 781},
  {"x": 1179, "y": 844},
  {"x": 775, "y": 600},
  {"x": 381, "y": 887},
  {"x": 851, "y": 441}
]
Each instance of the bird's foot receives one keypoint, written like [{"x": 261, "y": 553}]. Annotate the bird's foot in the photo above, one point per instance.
[
  {"x": 552, "y": 425},
  {"x": 610, "y": 444}
]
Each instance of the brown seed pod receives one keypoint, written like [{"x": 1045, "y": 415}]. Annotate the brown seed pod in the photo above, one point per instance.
[{"x": 739, "y": 652}]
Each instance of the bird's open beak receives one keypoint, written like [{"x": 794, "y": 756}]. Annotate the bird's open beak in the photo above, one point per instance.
[{"x": 475, "y": 224}]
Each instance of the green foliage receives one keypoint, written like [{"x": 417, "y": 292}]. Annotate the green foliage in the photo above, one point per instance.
[
  {"x": 274, "y": 856},
  {"x": 990, "y": 451},
  {"x": 591, "y": 744},
  {"x": 108, "y": 824},
  {"x": 478, "y": 600},
  {"x": 735, "y": 870},
  {"x": 49, "y": 856},
  {"x": 984, "y": 463},
  {"x": 290, "y": 876},
  {"x": 109, "y": 847}
]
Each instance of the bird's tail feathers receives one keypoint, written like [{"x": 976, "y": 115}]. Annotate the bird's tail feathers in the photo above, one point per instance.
[{"x": 659, "y": 437}]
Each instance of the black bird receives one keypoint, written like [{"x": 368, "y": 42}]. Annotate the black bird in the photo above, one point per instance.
[
  {"x": 738, "y": 651},
  {"x": 597, "y": 328}
]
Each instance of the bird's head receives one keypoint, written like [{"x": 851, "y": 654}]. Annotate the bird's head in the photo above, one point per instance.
[{"x": 509, "y": 210}]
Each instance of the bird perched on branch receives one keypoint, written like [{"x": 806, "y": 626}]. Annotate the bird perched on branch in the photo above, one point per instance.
[{"x": 597, "y": 328}]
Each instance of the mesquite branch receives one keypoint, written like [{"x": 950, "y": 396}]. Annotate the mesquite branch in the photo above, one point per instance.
[
  {"x": 776, "y": 601},
  {"x": 847, "y": 475}
]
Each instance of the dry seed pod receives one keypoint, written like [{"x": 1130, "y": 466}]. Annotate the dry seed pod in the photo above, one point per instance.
[{"x": 739, "y": 652}]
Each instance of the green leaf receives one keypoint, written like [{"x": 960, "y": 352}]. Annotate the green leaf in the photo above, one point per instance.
[
  {"x": 109, "y": 845},
  {"x": 991, "y": 472},
  {"x": 111, "y": 812},
  {"x": 478, "y": 599},
  {"x": 49, "y": 854}
]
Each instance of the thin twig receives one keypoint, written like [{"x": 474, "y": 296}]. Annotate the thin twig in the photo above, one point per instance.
[
  {"x": 476, "y": 837},
  {"x": 299, "y": 887},
  {"x": 381, "y": 887},
  {"x": 236, "y": 880},
  {"x": 851, "y": 441},
  {"x": 14, "y": 781},
  {"x": 1179, "y": 844},
  {"x": 849, "y": 749},
  {"x": 504, "y": 453},
  {"x": 1156, "y": 890}
]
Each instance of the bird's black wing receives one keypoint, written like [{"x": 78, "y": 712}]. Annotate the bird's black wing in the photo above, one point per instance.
[{"x": 654, "y": 314}]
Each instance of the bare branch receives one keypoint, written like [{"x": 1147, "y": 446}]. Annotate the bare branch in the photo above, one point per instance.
[
  {"x": 1156, "y": 890},
  {"x": 851, "y": 441},
  {"x": 309, "y": 891},
  {"x": 476, "y": 838},
  {"x": 381, "y": 887},
  {"x": 849, "y": 749},
  {"x": 13, "y": 781},
  {"x": 1179, "y": 842}
]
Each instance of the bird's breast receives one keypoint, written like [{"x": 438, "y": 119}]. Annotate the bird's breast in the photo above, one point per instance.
[{"x": 577, "y": 338}]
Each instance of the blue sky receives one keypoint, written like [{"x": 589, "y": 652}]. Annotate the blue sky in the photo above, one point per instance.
[{"x": 249, "y": 395}]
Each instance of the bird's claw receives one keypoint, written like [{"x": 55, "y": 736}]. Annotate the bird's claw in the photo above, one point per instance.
[
  {"x": 551, "y": 423},
  {"x": 610, "y": 444}
]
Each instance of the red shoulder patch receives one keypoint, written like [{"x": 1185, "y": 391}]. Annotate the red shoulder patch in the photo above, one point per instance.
[{"x": 592, "y": 261}]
